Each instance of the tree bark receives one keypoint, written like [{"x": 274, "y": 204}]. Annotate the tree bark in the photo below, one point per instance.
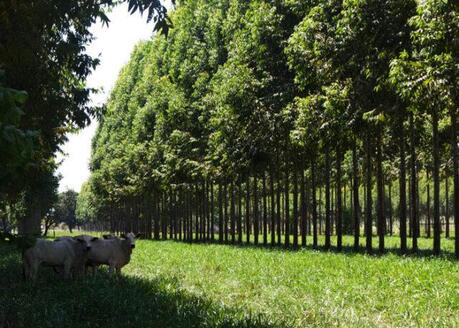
[
  {"x": 356, "y": 206},
  {"x": 295, "y": 208},
  {"x": 256, "y": 219},
  {"x": 239, "y": 217},
  {"x": 455, "y": 155},
  {"x": 369, "y": 200},
  {"x": 220, "y": 214},
  {"x": 304, "y": 209},
  {"x": 436, "y": 178},
  {"x": 212, "y": 211},
  {"x": 232, "y": 214},
  {"x": 413, "y": 175},
  {"x": 247, "y": 211},
  {"x": 31, "y": 222},
  {"x": 273, "y": 209},
  {"x": 265, "y": 208},
  {"x": 314, "y": 204},
  {"x": 225, "y": 210},
  {"x": 339, "y": 210},
  {"x": 428, "y": 204},
  {"x": 287, "y": 208},
  {"x": 380, "y": 186},
  {"x": 446, "y": 207},
  {"x": 278, "y": 205},
  {"x": 402, "y": 188},
  {"x": 391, "y": 218},
  {"x": 327, "y": 199}
]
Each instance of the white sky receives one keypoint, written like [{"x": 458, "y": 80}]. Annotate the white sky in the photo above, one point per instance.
[{"x": 114, "y": 44}]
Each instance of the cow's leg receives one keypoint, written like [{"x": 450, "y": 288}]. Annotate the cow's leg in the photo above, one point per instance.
[
  {"x": 67, "y": 268},
  {"x": 34, "y": 270},
  {"x": 93, "y": 269},
  {"x": 111, "y": 269},
  {"x": 118, "y": 271},
  {"x": 25, "y": 268}
]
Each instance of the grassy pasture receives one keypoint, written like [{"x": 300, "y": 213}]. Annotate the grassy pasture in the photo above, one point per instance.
[{"x": 170, "y": 284}]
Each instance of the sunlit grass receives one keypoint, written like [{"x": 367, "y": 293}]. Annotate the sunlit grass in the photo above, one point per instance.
[{"x": 171, "y": 284}]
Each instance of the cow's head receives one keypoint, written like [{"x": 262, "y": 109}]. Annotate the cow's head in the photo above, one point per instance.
[
  {"x": 86, "y": 241},
  {"x": 130, "y": 237}
]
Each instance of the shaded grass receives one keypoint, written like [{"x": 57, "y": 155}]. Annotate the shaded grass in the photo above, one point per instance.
[
  {"x": 102, "y": 301},
  {"x": 169, "y": 284}
]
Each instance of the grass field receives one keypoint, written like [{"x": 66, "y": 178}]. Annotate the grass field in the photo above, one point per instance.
[{"x": 171, "y": 284}]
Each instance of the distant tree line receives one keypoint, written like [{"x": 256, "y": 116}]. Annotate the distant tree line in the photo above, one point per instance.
[{"x": 272, "y": 121}]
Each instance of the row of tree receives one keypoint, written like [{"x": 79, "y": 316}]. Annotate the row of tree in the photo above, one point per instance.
[
  {"x": 237, "y": 120},
  {"x": 43, "y": 54}
]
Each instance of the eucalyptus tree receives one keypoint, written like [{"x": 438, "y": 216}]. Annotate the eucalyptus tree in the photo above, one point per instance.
[
  {"x": 426, "y": 77},
  {"x": 366, "y": 64},
  {"x": 312, "y": 56},
  {"x": 248, "y": 105}
]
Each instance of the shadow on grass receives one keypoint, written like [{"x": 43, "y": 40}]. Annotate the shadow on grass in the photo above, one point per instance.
[
  {"x": 345, "y": 250},
  {"x": 102, "y": 301}
]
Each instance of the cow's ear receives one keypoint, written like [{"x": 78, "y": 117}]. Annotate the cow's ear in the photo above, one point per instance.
[
  {"x": 79, "y": 240},
  {"x": 94, "y": 238}
]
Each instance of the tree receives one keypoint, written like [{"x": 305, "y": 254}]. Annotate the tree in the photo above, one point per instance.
[
  {"x": 42, "y": 50},
  {"x": 65, "y": 209},
  {"x": 426, "y": 77}
]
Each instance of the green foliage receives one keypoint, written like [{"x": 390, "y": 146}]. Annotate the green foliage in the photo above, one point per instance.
[
  {"x": 242, "y": 88},
  {"x": 65, "y": 208},
  {"x": 43, "y": 52},
  {"x": 16, "y": 144}
]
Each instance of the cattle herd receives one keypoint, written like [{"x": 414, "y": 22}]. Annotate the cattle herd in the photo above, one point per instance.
[{"x": 75, "y": 256}]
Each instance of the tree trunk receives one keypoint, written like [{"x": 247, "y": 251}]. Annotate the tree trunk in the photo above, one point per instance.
[
  {"x": 380, "y": 186},
  {"x": 304, "y": 209},
  {"x": 339, "y": 210},
  {"x": 265, "y": 208},
  {"x": 239, "y": 217},
  {"x": 327, "y": 200},
  {"x": 356, "y": 206},
  {"x": 455, "y": 155},
  {"x": 402, "y": 188},
  {"x": 256, "y": 219},
  {"x": 247, "y": 211},
  {"x": 368, "y": 206},
  {"x": 391, "y": 218},
  {"x": 295, "y": 208},
  {"x": 446, "y": 207},
  {"x": 273, "y": 209},
  {"x": 232, "y": 214},
  {"x": 220, "y": 214},
  {"x": 428, "y": 204},
  {"x": 413, "y": 200},
  {"x": 287, "y": 207},
  {"x": 314, "y": 204},
  {"x": 436, "y": 178},
  {"x": 31, "y": 222},
  {"x": 278, "y": 205},
  {"x": 212, "y": 211},
  {"x": 321, "y": 231},
  {"x": 225, "y": 210}
]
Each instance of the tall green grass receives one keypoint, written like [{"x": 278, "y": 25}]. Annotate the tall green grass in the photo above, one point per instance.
[{"x": 171, "y": 284}]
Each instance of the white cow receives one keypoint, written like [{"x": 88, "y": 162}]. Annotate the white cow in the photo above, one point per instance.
[
  {"x": 114, "y": 252},
  {"x": 67, "y": 253}
]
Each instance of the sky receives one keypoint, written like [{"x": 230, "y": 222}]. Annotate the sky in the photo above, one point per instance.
[{"x": 113, "y": 45}]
